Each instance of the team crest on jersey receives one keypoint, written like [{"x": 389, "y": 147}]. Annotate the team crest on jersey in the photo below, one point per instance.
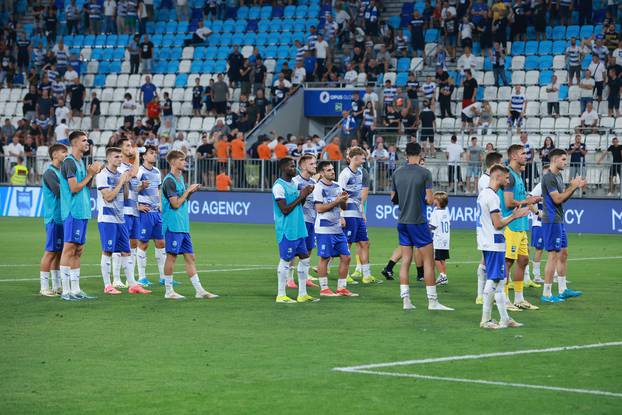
[
  {"x": 174, "y": 243},
  {"x": 513, "y": 248},
  {"x": 143, "y": 231},
  {"x": 77, "y": 233},
  {"x": 289, "y": 250},
  {"x": 109, "y": 242}
]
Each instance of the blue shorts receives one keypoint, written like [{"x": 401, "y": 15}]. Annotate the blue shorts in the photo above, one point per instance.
[
  {"x": 150, "y": 226},
  {"x": 331, "y": 245},
  {"x": 290, "y": 249},
  {"x": 310, "y": 239},
  {"x": 54, "y": 237},
  {"x": 495, "y": 265},
  {"x": 554, "y": 236},
  {"x": 131, "y": 222},
  {"x": 537, "y": 241},
  {"x": 178, "y": 243},
  {"x": 74, "y": 230},
  {"x": 114, "y": 237},
  {"x": 356, "y": 230},
  {"x": 414, "y": 235}
]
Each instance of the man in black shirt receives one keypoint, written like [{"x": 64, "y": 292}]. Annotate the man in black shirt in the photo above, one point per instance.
[
  {"x": 286, "y": 71},
  {"x": 231, "y": 120},
  {"x": 417, "y": 24},
  {"x": 391, "y": 118},
  {"x": 29, "y": 104},
  {"x": 470, "y": 89},
  {"x": 205, "y": 162},
  {"x": 445, "y": 89},
  {"x": 357, "y": 106},
  {"x": 613, "y": 100},
  {"x": 167, "y": 109},
  {"x": 261, "y": 103},
  {"x": 95, "y": 111},
  {"x": 235, "y": 61},
  {"x": 259, "y": 75},
  {"x": 428, "y": 122},
  {"x": 146, "y": 54},
  {"x": 77, "y": 94},
  {"x": 577, "y": 153},
  {"x": 616, "y": 168},
  {"x": 408, "y": 123}
]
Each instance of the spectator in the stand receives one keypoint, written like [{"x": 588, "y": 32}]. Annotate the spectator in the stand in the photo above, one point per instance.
[
  {"x": 7, "y": 131},
  {"x": 95, "y": 17},
  {"x": 348, "y": 130},
  {"x": 546, "y": 149},
  {"x": 616, "y": 167},
  {"x": 391, "y": 118},
  {"x": 332, "y": 151},
  {"x": 235, "y": 61},
  {"x": 245, "y": 78},
  {"x": 181, "y": 144},
  {"x": 121, "y": 20},
  {"x": 613, "y": 100},
  {"x": 350, "y": 76},
  {"x": 19, "y": 173},
  {"x": 280, "y": 90},
  {"x": 445, "y": 89},
  {"x": 417, "y": 37},
  {"x": 428, "y": 128},
  {"x": 204, "y": 155},
  {"x": 467, "y": 61},
  {"x": 586, "y": 87},
  {"x": 259, "y": 75},
  {"x": 29, "y": 105},
  {"x": 497, "y": 57},
  {"x": 475, "y": 154},
  {"x": 77, "y": 94},
  {"x": 552, "y": 96},
  {"x": 286, "y": 71},
  {"x": 573, "y": 59},
  {"x": 371, "y": 16},
  {"x": 148, "y": 91},
  {"x": 95, "y": 111},
  {"x": 516, "y": 108},
  {"x": 181, "y": 7},
  {"x": 280, "y": 149},
  {"x": 223, "y": 180},
  {"x": 197, "y": 95},
  {"x": 531, "y": 172},
  {"x": 589, "y": 121},
  {"x": 199, "y": 36},
  {"x": 262, "y": 104},
  {"x": 23, "y": 53},
  {"x": 465, "y": 29},
  {"x": 429, "y": 91},
  {"x": 599, "y": 71},
  {"x": 110, "y": 7},
  {"x": 468, "y": 115},
  {"x": 448, "y": 21},
  {"x": 128, "y": 108},
  {"x": 51, "y": 24},
  {"x": 61, "y": 132},
  {"x": 13, "y": 150},
  {"x": 310, "y": 64},
  {"x": 208, "y": 97},
  {"x": 167, "y": 109},
  {"x": 134, "y": 50},
  {"x": 238, "y": 154},
  {"x": 485, "y": 117},
  {"x": 61, "y": 111},
  {"x": 469, "y": 89},
  {"x": 299, "y": 74},
  {"x": 577, "y": 152},
  {"x": 146, "y": 54},
  {"x": 454, "y": 153},
  {"x": 220, "y": 95},
  {"x": 263, "y": 151},
  {"x": 45, "y": 105},
  {"x": 322, "y": 52},
  {"x": 154, "y": 109},
  {"x": 72, "y": 14},
  {"x": 167, "y": 129}
]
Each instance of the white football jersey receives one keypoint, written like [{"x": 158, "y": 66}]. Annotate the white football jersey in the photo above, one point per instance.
[
  {"x": 308, "y": 209},
  {"x": 151, "y": 195},
  {"x": 535, "y": 219},
  {"x": 440, "y": 223},
  {"x": 131, "y": 203},
  {"x": 489, "y": 238},
  {"x": 327, "y": 222},
  {"x": 483, "y": 182},
  {"x": 352, "y": 182},
  {"x": 109, "y": 212}
]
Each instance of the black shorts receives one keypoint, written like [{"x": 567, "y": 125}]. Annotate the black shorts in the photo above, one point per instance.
[
  {"x": 221, "y": 107},
  {"x": 429, "y": 137},
  {"x": 465, "y": 118},
  {"x": 615, "y": 170},
  {"x": 613, "y": 102},
  {"x": 441, "y": 254},
  {"x": 418, "y": 43}
]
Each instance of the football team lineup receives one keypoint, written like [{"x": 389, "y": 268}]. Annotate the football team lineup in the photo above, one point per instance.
[{"x": 314, "y": 207}]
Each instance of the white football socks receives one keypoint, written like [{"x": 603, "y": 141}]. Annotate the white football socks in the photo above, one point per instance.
[
  {"x": 141, "y": 260},
  {"x": 488, "y": 294},
  {"x": 341, "y": 283},
  {"x": 404, "y": 291},
  {"x": 481, "y": 279},
  {"x": 281, "y": 272},
  {"x": 290, "y": 272},
  {"x": 546, "y": 291},
  {"x": 561, "y": 284},
  {"x": 74, "y": 280},
  {"x": 430, "y": 290},
  {"x": 106, "y": 263},
  {"x": 303, "y": 273},
  {"x": 197, "y": 284},
  {"x": 55, "y": 279},
  {"x": 366, "y": 270},
  {"x": 128, "y": 265},
  {"x": 500, "y": 299},
  {"x": 160, "y": 254},
  {"x": 168, "y": 283},
  {"x": 536, "y": 268},
  {"x": 44, "y": 280},
  {"x": 323, "y": 283},
  {"x": 116, "y": 267},
  {"x": 65, "y": 279}
]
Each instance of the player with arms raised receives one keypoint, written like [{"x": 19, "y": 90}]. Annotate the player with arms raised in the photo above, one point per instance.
[
  {"x": 50, "y": 186},
  {"x": 176, "y": 224},
  {"x": 553, "y": 228},
  {"x": 412, "y": 190},
  {"x": 491, "y": 242},
  {"x": 75, "y": 180},
  {"x": 291, "y": 231}
]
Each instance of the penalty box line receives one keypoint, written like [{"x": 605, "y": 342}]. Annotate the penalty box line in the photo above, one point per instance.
[{"x": 365, "y": 369}]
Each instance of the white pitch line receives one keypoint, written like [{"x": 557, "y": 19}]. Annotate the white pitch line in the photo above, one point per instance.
[
  {"x": 489, "y": 382},
  {"x": 596, "y": 258},
  {"x": 476, "y": 356},
  {"x": 149, "y": 273}
]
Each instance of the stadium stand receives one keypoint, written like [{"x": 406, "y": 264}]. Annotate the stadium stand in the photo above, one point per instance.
[{"x": 236, "y": 50}]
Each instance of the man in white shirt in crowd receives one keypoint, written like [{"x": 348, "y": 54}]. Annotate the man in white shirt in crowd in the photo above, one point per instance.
[
  {"x": 181, "y": 143},
  {"x": 617, "y": 54},
  {"x": 371, "y": 96},
  {"x": 467, "y": 61},
  {"x": 598, "y": 70},
  {"x": 300, "y": 73},
  {"x": 589, "y": 121},
  {"x": 454, "y": 153},
  {"x": 61, "y": 132},
  {"x": 552, "y": 96},
  {"x": 468, "y": 115},
  {"x": 321, "y": 51},
  {"x": 586, "y": 87},
  {"x": 14, "y": 150},
  {"x": 350, "y": 76}
]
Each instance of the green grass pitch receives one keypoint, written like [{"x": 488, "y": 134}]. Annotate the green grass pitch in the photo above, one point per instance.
[{"x": 245, "y": 354}]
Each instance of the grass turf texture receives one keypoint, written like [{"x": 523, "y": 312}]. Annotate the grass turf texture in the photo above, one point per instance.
[{"x": 243, "y": 353}]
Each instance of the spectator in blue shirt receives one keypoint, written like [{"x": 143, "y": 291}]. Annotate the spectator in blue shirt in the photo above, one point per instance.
[{"x": 148, "y": 91}]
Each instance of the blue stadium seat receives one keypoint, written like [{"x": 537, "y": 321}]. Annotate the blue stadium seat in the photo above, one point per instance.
[
  {"x": 97, "y": 54},
  {"x": 263, "y": 26},
  {"x": 287, "y": 25},
  {"x": 172, "y": 66},
  {"x": 285, "y": 39},
  {"x": 403, "y": 64},
  {"x": 220, "y": 66},
  {"x": 572, "y": 31},
  {"x": 271, "y": 52},
  {"x": 315, "y": 10},
  {"x": 563, "y": 92},
  {"x": 262, "y": 39},
  {"x": 99, "y": 81},
  {"x": 104, "y": 67},
  {"x": 100, "y": 41},
  {"x": 276, "y": 26},
  {"x": 401, "y": 79},
  {"x": 266, "y": 12},
  {"x": 251, "y": 26},
  {"x": 199, "y": 53},
  {"x": 545, "y": 77},
  {"x": 229, "y": 25},
  {"x": 278, "y": 11},
  {"x": 545, "y": 47},
  {"x": 311, "y": 21},
  {"x": 214, "y": 39},
  {"x": 216, "y": 26},
  {"x": 223, "y": 52},
  {"x": 282, "y": 52},
  {"x": 159, "y": 67},
  {"x": 211, "y": 52},
  {"x": 182, "y": 27},
  {"x": 196, "y": 67},
  {"x": 301, "y": 11},
  {"x": 225, "y": 39},
  {"x": 559, "y": 47},
  {"x": 586, "y": 31},
  {"x": 394, "y": 22},
  {"x": 118, "y": 54},
  {"x": 289, "y": 11},
  {"x": 237, "y": 39},
  {"x": 531, "y": 48},
  {"x": 531, "y": 63},
  {"x": 243, "y": 12},
  {"x": 518, "y": 48},
  {"x": 431, "y": 35},
  {"x": 487, "y": 64},
  {"x": 250, "y": 38},
  {"x": 171, "y": 27},
  {"x": 586, "y": 62},
  {"x": 254, "y": 12}
]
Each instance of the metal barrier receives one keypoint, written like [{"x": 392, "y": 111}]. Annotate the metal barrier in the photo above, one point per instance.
[{"x": 259, "y": 175}]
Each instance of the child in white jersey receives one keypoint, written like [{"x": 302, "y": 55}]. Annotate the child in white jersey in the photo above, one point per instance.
[{"x": 440, "y": 227}]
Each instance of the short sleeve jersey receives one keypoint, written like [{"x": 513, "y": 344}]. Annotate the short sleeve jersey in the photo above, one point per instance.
[
  {"x": 440, "y": 225},
  {"x": 352, "y": 182},
  {"x": 535, "y": 219},
  {"x": 410, "y": 183},
  {"x": 109, "y": 212},
  {"x": 150, "y": 196},
  {"x": 308, "y": 208},
  {"x": 489, "y": 238},
  {"x": 552, "y": 212},
  {"x": 483, "y": 182},
  {"x": 327, "y": 222},
  {"x": 131, "y": 203}
]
